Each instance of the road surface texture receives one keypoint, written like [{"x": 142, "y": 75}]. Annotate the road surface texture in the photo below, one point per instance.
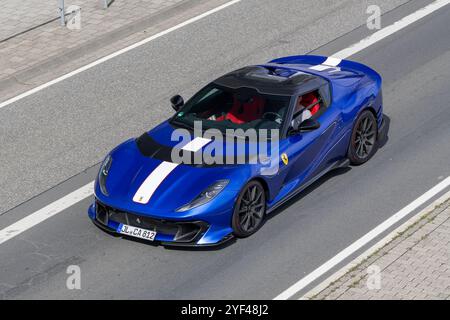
[
  {"x": 65, "y": 130},
  {"x": 94, "y": 111},
  {"x": 35, "y": 48}
]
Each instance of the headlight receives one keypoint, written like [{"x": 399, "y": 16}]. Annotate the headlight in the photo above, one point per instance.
[
  {"x": 207, "y": 195},
  {"x": 103, "y": 174}
]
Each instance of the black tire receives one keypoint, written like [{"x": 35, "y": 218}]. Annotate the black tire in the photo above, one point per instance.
[
  {"x": 249, "y": 210},
  {"x": 364, "y": 139}
]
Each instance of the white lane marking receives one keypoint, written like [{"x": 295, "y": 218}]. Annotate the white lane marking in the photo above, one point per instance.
[
  {"x": 48, "y": 211},
  {"x": 358, "y": 244},
  {"x": 72, "y": 198},
  {"x": 329, "y": 63},
  {"x": 157, "y": 176},
  {"x": 380, "y": 244},
  {"x": 335, "y": 59},
  {"x": 154, "y": 179},
  {"x": 387, "y": 31},
  {"x": 115, "y": 54},
  {"x": 60, "y": 205}
]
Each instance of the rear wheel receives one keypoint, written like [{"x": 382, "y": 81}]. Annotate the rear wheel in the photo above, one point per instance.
[
  {"x": 250, "y": 210},
  {"x": 363, "y": 141}
]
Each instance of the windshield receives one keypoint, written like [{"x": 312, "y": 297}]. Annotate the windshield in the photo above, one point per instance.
[{"x": 225, "y": 108}]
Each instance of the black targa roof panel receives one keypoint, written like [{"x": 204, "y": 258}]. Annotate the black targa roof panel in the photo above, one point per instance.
[{"x": 272, "y": 79}]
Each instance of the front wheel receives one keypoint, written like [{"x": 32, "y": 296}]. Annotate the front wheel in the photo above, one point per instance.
[
  {"x": 250, "y": 210},
  {"x": 363, "y": 141}
]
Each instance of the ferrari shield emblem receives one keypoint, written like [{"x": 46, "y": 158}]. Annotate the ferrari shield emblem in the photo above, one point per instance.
[{"x": 285, "y": 159}]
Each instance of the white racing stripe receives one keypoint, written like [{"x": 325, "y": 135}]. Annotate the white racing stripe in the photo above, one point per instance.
[
  {"x": 153, "y": 181},
  {"x": 330, "y": 63},
  {"x": 115, "y": 54},
  {"x": 358, "y": 244},
  {"x": 196, "y": 144},
  {"x": 161, "y": 172}
]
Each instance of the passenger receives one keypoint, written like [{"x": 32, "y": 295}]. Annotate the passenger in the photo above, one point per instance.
[{"x": 307, "y": 100}]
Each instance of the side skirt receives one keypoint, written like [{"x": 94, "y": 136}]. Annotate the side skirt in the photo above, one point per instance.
[{"x": 340, "y": 164}]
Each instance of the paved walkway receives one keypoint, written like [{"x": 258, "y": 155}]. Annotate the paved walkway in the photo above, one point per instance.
[
  {"x": 18, "y": 15},
  {"x": 35, "y": 48},
  {"x": 36, "y": 45},
  {"x": 414, "y": 265}
]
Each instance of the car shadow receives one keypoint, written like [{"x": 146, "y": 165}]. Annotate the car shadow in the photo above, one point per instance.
[
  {"x": 204, "y": 248},
  {"x": 383, "y": 140}
]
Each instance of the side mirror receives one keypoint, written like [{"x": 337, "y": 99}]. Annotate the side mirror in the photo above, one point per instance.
[
  {"x": 309, "y": 125},
  {"x": 295, "y": 123},
  {"x": 177, "y": 102},
  {"x": 300, "y": 125}
]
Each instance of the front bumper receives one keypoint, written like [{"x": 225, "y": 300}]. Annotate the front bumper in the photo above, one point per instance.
[{"x": 169, "y": 232}]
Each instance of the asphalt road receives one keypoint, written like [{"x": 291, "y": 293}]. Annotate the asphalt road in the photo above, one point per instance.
[{"x": 120, "y": 98}]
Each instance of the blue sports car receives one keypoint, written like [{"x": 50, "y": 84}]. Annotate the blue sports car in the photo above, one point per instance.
[{"x": 323, "y": 113}]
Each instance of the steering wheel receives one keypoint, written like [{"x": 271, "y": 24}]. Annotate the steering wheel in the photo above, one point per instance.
[{"x": 272, "y": 116}]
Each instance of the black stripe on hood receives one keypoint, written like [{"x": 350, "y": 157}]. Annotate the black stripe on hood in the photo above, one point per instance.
[{"x": 149, "y": 147}]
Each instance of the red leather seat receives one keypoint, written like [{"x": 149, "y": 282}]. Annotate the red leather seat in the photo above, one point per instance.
[
  {"x": 247, "y": 112},
  {"x": 308, "y": 99}
]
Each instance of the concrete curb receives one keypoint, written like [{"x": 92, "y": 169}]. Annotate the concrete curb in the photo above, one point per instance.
[{"x": 372, "y": 250}]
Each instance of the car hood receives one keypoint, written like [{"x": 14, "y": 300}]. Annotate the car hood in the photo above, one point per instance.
[
  {"x": 164, "y": 141},
  {"x": 130, "y": 171}
]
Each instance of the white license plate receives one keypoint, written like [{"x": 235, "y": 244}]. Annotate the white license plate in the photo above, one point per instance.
[{"x": 137, "y": 232}]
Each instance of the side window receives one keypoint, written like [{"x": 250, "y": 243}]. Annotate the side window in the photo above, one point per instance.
[{"x": 325, "y": 94}]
